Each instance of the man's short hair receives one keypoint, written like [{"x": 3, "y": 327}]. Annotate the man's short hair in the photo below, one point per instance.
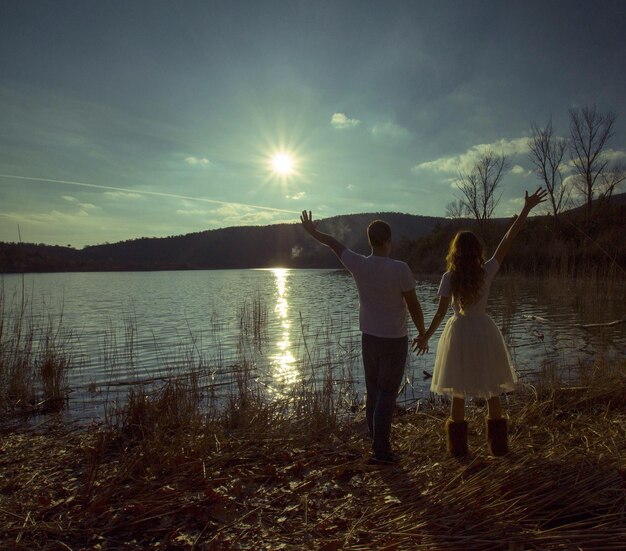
[{"x": 378, "y": 233}]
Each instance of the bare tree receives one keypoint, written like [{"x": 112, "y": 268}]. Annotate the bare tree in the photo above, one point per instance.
[
  {"x": 456, "y": 209},
  {"x": 611, "y": 179},
  {"x": 589, "y": 133},
  {"x": 546, "y": 153},
  {"x": 479, "y": 186}
]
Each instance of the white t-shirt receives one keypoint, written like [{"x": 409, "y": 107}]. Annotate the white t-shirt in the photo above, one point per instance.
[
  {"x": 380, "y": 281},
  {"x": 445, "y": 290}
]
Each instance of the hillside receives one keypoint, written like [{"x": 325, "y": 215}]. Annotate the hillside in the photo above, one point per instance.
[
  {"x": 574, "y": 244},
  {"x": 235, "y": 247}
]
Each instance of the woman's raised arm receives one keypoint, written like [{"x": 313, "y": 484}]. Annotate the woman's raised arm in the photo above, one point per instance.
[{"x": 530, "y": 201}]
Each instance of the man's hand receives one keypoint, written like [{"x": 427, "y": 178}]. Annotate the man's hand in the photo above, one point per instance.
[
  {"x": 324, "y": 238},
  {"x": 307, "y": 222}
]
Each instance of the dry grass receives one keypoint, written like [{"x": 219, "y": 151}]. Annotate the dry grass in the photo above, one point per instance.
[
  {"x": 270, "y": 476},
  {"x": 34, "y": 361}
]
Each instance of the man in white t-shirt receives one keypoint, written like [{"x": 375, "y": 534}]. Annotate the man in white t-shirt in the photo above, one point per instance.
[{"x": 386, "y": 290}]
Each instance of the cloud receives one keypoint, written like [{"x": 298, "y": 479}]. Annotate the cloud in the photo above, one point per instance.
[
  {"x": 517, "y": 169},
  {"x": 389, "y": 130},
  {"x": 443, "y": 164},
  {"x": 197, "y": 161},
  {"x": 296, "y": 196},
  {"x": 46, "y": 218},
  {"x": 614, "y": 155},
  {"x": 87, "y": 206},
  {"x": 465, "y": 162},
  {"x": 122, "y": 195},
  {"x": 69, "y": 198},
  {"x": 572, "y": 184},
  {"x": 191, "y": 212},
  {"x": 341, "y": 122},
  {"x": 239, "y": 215}
]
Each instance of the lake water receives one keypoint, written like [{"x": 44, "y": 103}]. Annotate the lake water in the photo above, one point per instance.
[{"x": 284, "y": 325}]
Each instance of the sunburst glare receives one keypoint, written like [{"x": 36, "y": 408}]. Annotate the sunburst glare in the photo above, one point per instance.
[{"x": 282, "y": 163}]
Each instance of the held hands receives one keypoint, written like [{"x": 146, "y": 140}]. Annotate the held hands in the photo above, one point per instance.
[
  {"x": 307, "y": 222},
  {"x": 420, "y": 345},
  {"x": 531, "y": 201}
]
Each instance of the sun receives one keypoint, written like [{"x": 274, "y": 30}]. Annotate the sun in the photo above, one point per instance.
[{"x": 282, "y": 164}]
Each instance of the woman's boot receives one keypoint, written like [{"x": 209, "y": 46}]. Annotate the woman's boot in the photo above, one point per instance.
[
  {"x": 456, "y": 437},
  {"x": 497, "y": 436}
]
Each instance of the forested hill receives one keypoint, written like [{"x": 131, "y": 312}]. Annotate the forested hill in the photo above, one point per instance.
[{"x": 285, "y": 245}]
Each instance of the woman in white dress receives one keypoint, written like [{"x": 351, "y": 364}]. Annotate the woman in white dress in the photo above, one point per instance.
[{"x": 471, "y": 358}]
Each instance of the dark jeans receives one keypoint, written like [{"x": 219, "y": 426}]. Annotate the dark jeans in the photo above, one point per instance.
[{"x": 383, "y": 360}]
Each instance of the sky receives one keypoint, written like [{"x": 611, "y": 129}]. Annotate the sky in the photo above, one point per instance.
[{"x": 126, "y": 119}]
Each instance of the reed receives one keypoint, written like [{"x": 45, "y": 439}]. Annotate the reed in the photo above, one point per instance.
[
  {"x": 253, "y": 320},
  {"x": 35, "y": 358}
]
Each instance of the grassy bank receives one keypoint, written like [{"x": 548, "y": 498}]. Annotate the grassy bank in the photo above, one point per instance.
[{"x": 293, "y": 475}]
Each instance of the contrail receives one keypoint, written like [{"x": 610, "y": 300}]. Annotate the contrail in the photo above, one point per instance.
[{"x": 143, "y": 192}]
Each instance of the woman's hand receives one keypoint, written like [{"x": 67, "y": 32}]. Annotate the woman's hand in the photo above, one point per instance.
[
  {"x": 420, "y": 345},
  {"x": 531, "y": 201}
]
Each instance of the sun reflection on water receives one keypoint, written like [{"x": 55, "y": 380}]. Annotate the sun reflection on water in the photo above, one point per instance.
[{"x": 283, "y": 362}]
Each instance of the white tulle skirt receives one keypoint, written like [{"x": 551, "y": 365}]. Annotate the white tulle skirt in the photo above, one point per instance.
[{"x": 472, "y": 359}]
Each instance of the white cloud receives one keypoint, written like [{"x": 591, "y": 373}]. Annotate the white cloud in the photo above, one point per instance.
[
  {"x": 229, "y": 210},
  {"x": 296, "y": 196},
  {"x": 122, "y": 195},
  {"x": 567, "y": 166},
  {"x": 240, "y": 215},
  {"x": 571, "y": 184},
  {"x": 466, "y": 161},
  {"x": 614, "y": 155},
  {"x": 443, "y": 164},
  {"x": 197, "y": 161},
  {"x": 610, "y": 155},
  {"x": 191, "y": 212},
  {"x": 389, "y": 130},
  {"x": 341, "y": 122},
  {"x": 517, "y": 169},
  {"x": 46, "y": 218},
  {"x": 69, "y": 198},
  {"x": 87, "y": 206}
]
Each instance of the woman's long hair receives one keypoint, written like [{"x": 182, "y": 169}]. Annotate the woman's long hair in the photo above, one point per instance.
[{"x": 465, "y": 262}]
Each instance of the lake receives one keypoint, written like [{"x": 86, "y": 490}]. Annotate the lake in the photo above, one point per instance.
[{"x": 282, "y": 325}]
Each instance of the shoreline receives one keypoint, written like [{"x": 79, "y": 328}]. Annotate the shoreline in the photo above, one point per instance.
[{"x": 257, "y": 479}]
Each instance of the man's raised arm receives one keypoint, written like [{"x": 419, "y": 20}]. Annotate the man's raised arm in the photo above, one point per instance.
[{"x": 324, "y": 238}]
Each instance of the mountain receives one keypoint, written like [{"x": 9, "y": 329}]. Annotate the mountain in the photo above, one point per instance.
[
  {"x": 421, "y": 241},
  {"x": 285, "y": 245}
]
